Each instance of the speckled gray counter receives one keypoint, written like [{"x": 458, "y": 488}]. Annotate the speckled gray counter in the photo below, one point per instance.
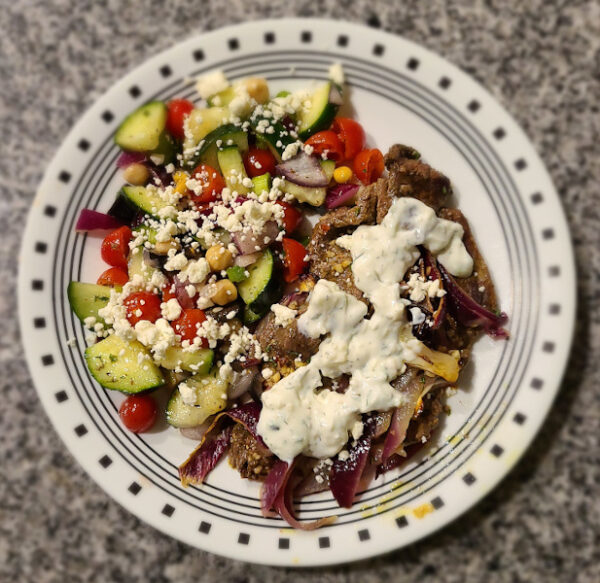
[{"x": 540, "y": 58}]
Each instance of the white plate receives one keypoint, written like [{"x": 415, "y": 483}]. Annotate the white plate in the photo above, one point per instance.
[{"x": 401, "y": 93}]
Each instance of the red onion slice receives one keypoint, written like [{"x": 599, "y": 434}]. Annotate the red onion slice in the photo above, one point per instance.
[
  {"x": 90, "y": 220},
  {"x": 245, "y": 260},
  {"x": 341, "y": 195},
  {"x": 335, "y": 95},
  {"x": 468, "y": 312},
  {"x": 129, "y": 158},
  {"x": 303, "y": 170},
  {"x": 250, "y": 243},
  {"x": 204, "y": 458}
]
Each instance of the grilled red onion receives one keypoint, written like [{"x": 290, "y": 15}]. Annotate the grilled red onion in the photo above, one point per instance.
[
  {"x": 241, "y": 382},
  {"x": 341, "y": 195},
  {"x": 303, "y": 170}
]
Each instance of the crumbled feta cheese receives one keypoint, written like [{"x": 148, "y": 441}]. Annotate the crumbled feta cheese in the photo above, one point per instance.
[
  {"x": 188, "y": 394},
  {"x": 291, "y": 150},
  {"x": 420, "y": 288},
  {"x": 417, "y": 316},
  {"x": 176, "y": 262},
  {"x": 284, "y": 316},
  {"x": 170, "y": 310},
  {"x": 195, "y": 271},
  {"x": 357, "y": 430},
  {"x": 343, "y": 455},
  {"x": 336, "y": 73},
  {"x": 267, "y": 373},
  {"x": 211, "y": 83}
]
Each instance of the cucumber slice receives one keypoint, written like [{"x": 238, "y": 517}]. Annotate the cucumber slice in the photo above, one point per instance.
[
  {"x": 113, "y": 362},
  {"x": 203, "y": 121},
  {"x": 262, "y": 288},
  {"x": 261, "y": 183},
  {"x": 166, "y": 151},
  {"x": 211, "y": 397},
  {"x": 222, "y": 98},
  {"x": 137, "y": 266},
  {"x": 140, "y": 131},
  {"x": 311, "y": 195},
  {"x": 277, "y": 141},
  {"x": 232, "y": 168},
  {"x": 144, "y": 199},
  {"x": 319, "y": 115},
  {"x": 225, "y": 135},
  {"x": 87, "y": 298},
  {"x": 197, "y": 362}
]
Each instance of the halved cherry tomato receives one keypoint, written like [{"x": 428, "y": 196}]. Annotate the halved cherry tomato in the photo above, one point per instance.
[
  {"x": 115, "y": 247},
  {"x": 168, "y": 291},
  {"x": 351, "y": 134},
  {"x": 257, "y": 162},
  {"x": 142, "y": 306},
  {"x": 138, "y": 413},
  {"x": 294, "y": 262},
  {"x": 291, "y": 216},
  {"x": 187, "y": 325},
  {"x": 327, "y": 142},
  {"x": 212, "y": 184},
  {"x": 177, "y": 110},
  {"x": 369, "y": 166},
  {"x": 113, "y": 276}
]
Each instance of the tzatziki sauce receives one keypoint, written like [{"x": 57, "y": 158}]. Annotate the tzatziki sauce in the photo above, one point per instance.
[{"x": 296, "y": 417}]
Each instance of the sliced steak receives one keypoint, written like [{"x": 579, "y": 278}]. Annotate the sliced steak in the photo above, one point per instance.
[
  {"x": 421, "y": 428},
  {"x": 246, "y": 456},
  {"x": 326, "y": 259},
  {"x": 408, "y": 176},
  {"x": 285, "y": 344}
]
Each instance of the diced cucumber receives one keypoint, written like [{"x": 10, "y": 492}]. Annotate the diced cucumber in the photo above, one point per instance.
[
  {"x": 319, "y": 115},
  {"x": 236, "y": 273},
  {"x": 249, "y": 317},
  {"x": 136, "y": 266},
  {"x": 141, "y": 130},
  {"x": 261, "y": 183},
  {"x": 223, "y": 236},
  {"x": 197, "y": 362},
  {"x": 203, "y": 121},
  {"x": 211, "y": 397},
  {"x": 144, "y": 199},
  {"x": 222, "y": 98},
  {"x": 225, "y": 135},
  {"x": 314, "y": 196},
  {"x": 232, "y": 168},
  {"x": 262, "y": 288},
  {"x": 277, "y": 141},
  {"x": 87, "y": 298},
  {"x": 148, "y": 233},
  {"x": 283, "y": 93},
  {"x": 123, "y": 365},
  {"x": 166, "y": 151}
]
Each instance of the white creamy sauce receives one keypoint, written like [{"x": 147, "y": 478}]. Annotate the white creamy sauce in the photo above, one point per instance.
[{"x": 296, "y": 417}]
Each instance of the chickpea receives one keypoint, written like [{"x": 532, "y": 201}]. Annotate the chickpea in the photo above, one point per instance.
[
  {"x": 257, "y": 88},
  {"x": 225, "y": 292},
  {"x": 136, "y": 174},
  {"x": 219, "y": 258},
  {"x": 163, "y": 247}
]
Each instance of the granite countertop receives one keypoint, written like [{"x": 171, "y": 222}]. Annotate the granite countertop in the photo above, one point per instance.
[{"x": 541, "y": 59}]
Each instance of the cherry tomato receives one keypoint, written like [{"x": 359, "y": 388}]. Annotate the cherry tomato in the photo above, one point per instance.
[
  {"x": 177, "y": 110},
  {"x": 187, "y": 325},
  {"x": 258, "y": 161},
  {"x": 138, "y": 413},
  {"x": 212, "y": 184},
  {"x": 113, "y": 276},
  {"x": 294, "y": 264},
  {"x": 115, "y": 247},
  {"x": 291, "y": 216},
  {"x": 351, "y": 134},
  {"x": 329, "y": 142},
  {"x": 369, "y": 166},
  {"x": 142, "y": 306},
  {"x": 168, "y": 291}
]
